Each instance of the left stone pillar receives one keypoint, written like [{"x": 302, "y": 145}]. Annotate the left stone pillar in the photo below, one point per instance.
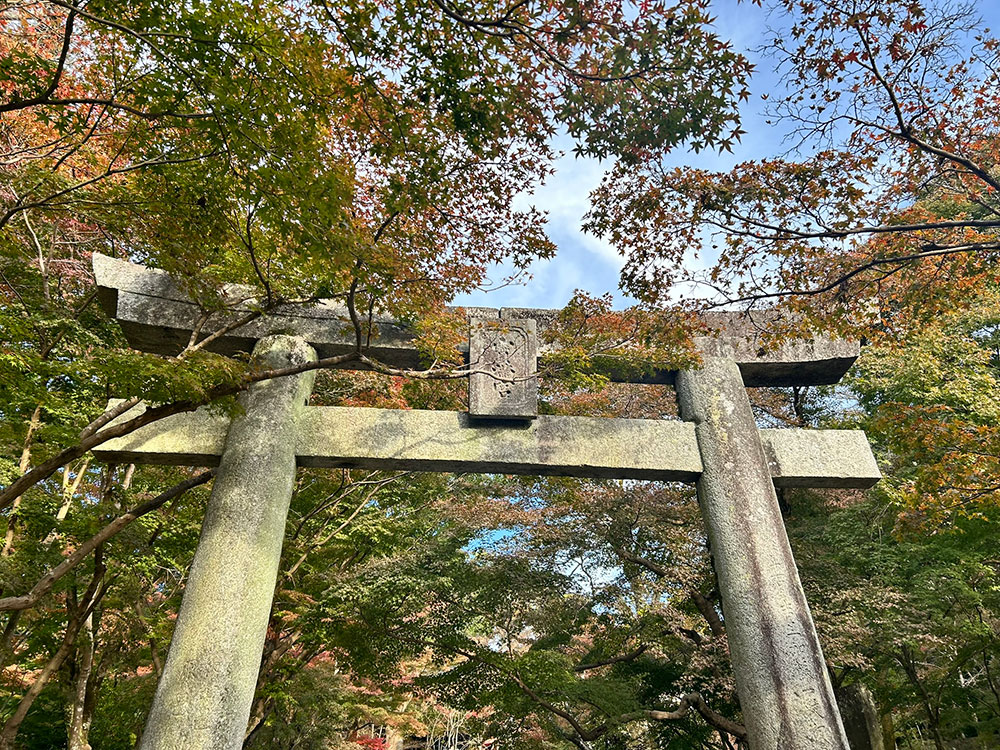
[{"x": 203, "y": 699}]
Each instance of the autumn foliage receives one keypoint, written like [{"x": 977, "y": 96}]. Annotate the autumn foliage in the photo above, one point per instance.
[{"x": 382, "y": 154}]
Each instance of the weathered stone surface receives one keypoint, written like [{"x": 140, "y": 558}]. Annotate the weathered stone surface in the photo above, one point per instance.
[
  {"x": 418, "y": 440},
  {"x": 503, "y": 356},
  {"x": 820, "y": 360},
  {"x": 189, "y": 439},
  {"x": 204, "y": 696},
  {"x": 203, "y": 699},
  {"x": 785, "y": 693},
  {"x": 861, "y": 718},
  {"x": 820, "y": 458},
  {"x": 157, "y": 316},
  {"x": 395, "y": 439},
  {"x": 451, "y": 441}
]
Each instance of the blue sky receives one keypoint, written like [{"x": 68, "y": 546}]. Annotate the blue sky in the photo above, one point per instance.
[{"x": 583, "y": 261}]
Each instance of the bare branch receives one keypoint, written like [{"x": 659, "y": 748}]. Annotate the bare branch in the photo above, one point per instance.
[
  {"x": 695, "y": 701},
  {"x": 932, "y": 252},
  {"x": 47, "y": 581}
]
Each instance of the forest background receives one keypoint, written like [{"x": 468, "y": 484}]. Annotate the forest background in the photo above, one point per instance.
[{"x": 384, "y": 154}]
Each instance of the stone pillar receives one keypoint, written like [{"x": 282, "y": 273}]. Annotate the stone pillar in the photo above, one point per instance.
[
  {"x": 785, "y": 693},
  {"x": 203, "y": 699},
  {"x": 862, "y": 722}
]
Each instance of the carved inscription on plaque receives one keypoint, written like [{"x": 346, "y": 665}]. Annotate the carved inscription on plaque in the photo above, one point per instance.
[{"x": 503, "y": 384}]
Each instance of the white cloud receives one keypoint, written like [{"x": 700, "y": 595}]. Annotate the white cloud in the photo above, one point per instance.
[{"x": 588, "y": 263}]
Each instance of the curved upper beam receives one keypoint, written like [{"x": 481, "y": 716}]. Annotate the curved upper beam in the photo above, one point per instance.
[{"x": 158, "y": 316}]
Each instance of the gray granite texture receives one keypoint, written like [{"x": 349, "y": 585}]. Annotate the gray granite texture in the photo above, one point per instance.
[
  {"x": 502, "y": 355},
  {"x": 157, "y": 315},
  {"x": 785, "y": 694},
  {"x": 204, "y": 696},
  {"x": 416, "y": 440}
]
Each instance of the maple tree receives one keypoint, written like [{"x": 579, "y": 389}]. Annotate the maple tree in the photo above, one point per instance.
[
  {"x": 911, "y": 616},
  {"x": 356, "y": 152},
  {"x": 370, "y": 152},
  {"x": 883, "y": 210},
  {"x": 932, "y": 402},
  {"x": 565, "y": 628}
]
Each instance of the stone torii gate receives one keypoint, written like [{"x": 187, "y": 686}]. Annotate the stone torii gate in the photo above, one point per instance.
[{"x": 204, "y": 696}]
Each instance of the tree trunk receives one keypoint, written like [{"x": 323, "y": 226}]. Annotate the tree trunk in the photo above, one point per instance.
[
  {"x": 8, "y": 542},
  {"x": 10, "y": 729},
  {"x": 79, "y": 720},
  {"x": 888, "y": 732},
  {"x": 79, "y": 613},
  {"x": 7, "y": 639},
  {"x": 258, "y": 712},
  {"x": 707, "y": 610},
  {"x": 393, "y": 739},
  {"x": 262, "y": 708},
  {"x": 13, "y": 725},
  {"x": 70, "y": 487},
  {"x": 933, "y": 715}
]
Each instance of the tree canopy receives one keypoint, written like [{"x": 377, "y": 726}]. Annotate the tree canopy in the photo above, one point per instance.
[
  {"x": 882, "y": 210},
  {"x": 382, "y": 154}
]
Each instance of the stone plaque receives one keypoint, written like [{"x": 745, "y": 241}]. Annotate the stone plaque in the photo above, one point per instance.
[{"x": 502, "y": 355}]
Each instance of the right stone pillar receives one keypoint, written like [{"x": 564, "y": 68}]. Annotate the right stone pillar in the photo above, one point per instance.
[{"x": 785, "y": 692}]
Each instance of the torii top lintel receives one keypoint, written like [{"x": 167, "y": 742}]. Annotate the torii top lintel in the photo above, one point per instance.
[{"x": 158, "y": 316}]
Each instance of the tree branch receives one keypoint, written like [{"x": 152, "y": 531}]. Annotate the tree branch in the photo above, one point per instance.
[
  {"x": 931, "y": 252},
  {"x": 45, "y": 584},
  {"x": 695, "y": 701},
  {"x": 630, "y": 656},
  {"x": 57, "y": 74}
]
